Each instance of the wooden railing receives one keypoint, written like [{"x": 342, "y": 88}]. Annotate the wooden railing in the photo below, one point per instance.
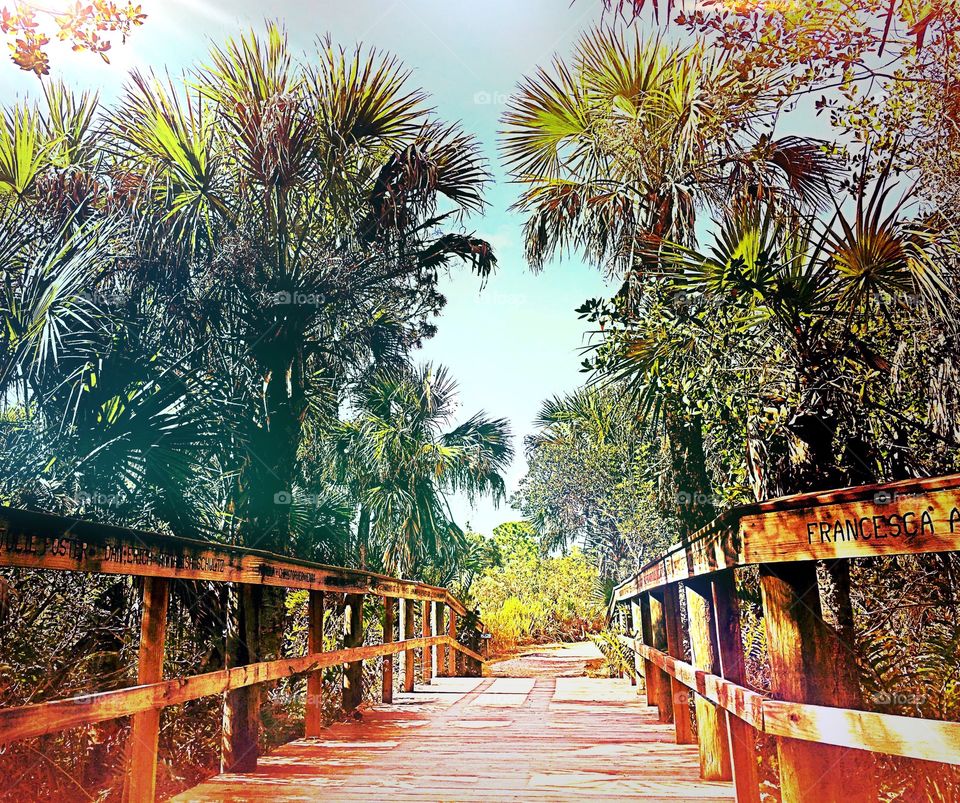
[
  {"x": 40, "y": 541},
  {"x": 813, "y": 709}
]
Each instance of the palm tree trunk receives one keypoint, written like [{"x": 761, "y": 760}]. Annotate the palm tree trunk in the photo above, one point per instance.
[
  {"x": 363, "y": 534},
  {"x": 694, "y": 502}
]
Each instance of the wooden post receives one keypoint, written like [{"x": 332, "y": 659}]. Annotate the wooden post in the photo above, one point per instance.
[
  {"x": 241, "y": 708},
  {"x": 807, "y": 666},
  {"x": 426, "y": 661},
  {"x": 636, "y": 633},
  {"x": 711, "y": 720},
  {"x": 453, "y": 654},
  {"x": 314, "y": 709},
  {"x": 742, "y": 736},
  {"x": 679, "y": 693},
  {"x": 146, "y": 725},
  {"x": 389, "y": 607},
  {"x": 651, "y": 676},
  {"x": 409, "y": 678},
  {"x": 658, "y": 626},
  {"x": 439, "y": 652},
  {"x": 353, "y": 637}
]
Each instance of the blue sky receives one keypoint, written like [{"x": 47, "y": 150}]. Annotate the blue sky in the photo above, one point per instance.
[{"x": 513, "y": 344}]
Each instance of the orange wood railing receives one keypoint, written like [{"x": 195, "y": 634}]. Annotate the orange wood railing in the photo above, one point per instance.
[
  {"x": 41, "y": 541},
  {"x": 813, "y": 708}
]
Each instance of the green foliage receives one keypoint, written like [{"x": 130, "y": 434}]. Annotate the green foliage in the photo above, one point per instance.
[
  {"x": 618, "y": 658},
  {"x": 530, "y": 596},
  {"x": 593, "y": 480}
]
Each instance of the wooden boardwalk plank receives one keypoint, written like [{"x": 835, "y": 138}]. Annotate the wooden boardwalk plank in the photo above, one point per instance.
[{"x": 531, "y": 739}]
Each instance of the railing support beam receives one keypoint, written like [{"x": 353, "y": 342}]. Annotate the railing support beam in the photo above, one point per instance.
[
  {"x": 651, "y": 674},
  {"x": 664, "y": 697},
  {"x": 353, "y": 637},
  {"x": 145, "y": 732},
  {"x": 453, "y": 655},
  {"x": 241, "y": 708},
  {"x": 711, "y": 719},
  {"x": 314, "y": 709},
  {"x": 636, "y": 633},
  {"x": 439, "y": 652},
  {"x": 742, "y": 736},
  {"x": 679, "y": 694},
  {"x": 426, "y": 661},
  {"x": 389, "y": 615},
  {"x": 409, "y": 670},
  {"x": 807, "y": 666}
]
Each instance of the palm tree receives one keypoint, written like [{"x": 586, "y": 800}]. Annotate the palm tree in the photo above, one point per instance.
[
  {"x": 829, "y": 303},
  {"x": 631, "y": 142},
  {"x": 635, "y": 137},
  {"x": 402, "y": 463},
  {"x": 295, "y": 212},
  {"x": 591, "y": 478}
]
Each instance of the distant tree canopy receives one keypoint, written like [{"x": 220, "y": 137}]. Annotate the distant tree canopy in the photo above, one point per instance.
[
  {"x": 527, "y": 595},
  {"x": 595, "y": 481}
]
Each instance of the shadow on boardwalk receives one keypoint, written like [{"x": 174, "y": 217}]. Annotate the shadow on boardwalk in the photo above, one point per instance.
[{"x": 537, "y": 729}]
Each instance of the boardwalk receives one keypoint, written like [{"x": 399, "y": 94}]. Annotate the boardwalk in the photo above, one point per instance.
[{"x": 554, "y": 735}]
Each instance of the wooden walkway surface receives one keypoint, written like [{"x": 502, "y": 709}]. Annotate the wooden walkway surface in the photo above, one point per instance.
[{"x": 500, "y": 738}]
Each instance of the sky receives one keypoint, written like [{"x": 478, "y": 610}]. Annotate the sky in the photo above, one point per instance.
[{"x": 518, "y": 341}]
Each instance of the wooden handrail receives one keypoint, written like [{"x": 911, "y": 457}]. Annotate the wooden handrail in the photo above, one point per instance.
[
  {"x": 813, "y": 710},
  {"x": 900, "y": 518},
  {"x": 34, "y": 540},
  {"x": 912, "y": 737},
  {"x": 38, "y": 719}
]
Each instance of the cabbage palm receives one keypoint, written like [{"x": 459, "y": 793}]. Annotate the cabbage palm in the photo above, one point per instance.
[
  {"x": 820, "y": 296},
  {"x": 294, "y": 206},
  {"x": 635, "y": 137},
  {"x": 402, "y": 462},
  {"x": 631, "y": 142}
]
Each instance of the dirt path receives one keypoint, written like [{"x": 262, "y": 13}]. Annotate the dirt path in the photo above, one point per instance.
[{"x": 549, "y": 661}]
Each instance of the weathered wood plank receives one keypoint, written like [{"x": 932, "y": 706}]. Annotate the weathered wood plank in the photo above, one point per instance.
[
  {"x": 313, "y": 714},
  {"x": 925, "y": 739},
  {"x": 543, "y": 750},
  {"x": 26, "y": 722},
  {"x": 426, "y": 661},
  {"x": 42, "y": 541},
  {"x": 142, "y": 778},
  {"x": 409, "y": 679},
  {"x": 388, "y": 637},
  {"x": 711, "y": 722},
  {"x": 683, "y": 730},
  {"x": 901, "y": 518},
  {"x": 804, "y": 668},
  {"x": 353, "y": 637},
  {"x": 912, "y": 737},
  {"x": 742, "y": 737},
  {"x": 664, "y": 699}
]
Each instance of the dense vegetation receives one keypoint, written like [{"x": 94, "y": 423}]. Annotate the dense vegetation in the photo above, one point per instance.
[
  {"x": 214, "y": 291},
  {"x": 786, "y": 315},
  {"x": 212, "y": 296},
  {"x": 526, "y": 596}
]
